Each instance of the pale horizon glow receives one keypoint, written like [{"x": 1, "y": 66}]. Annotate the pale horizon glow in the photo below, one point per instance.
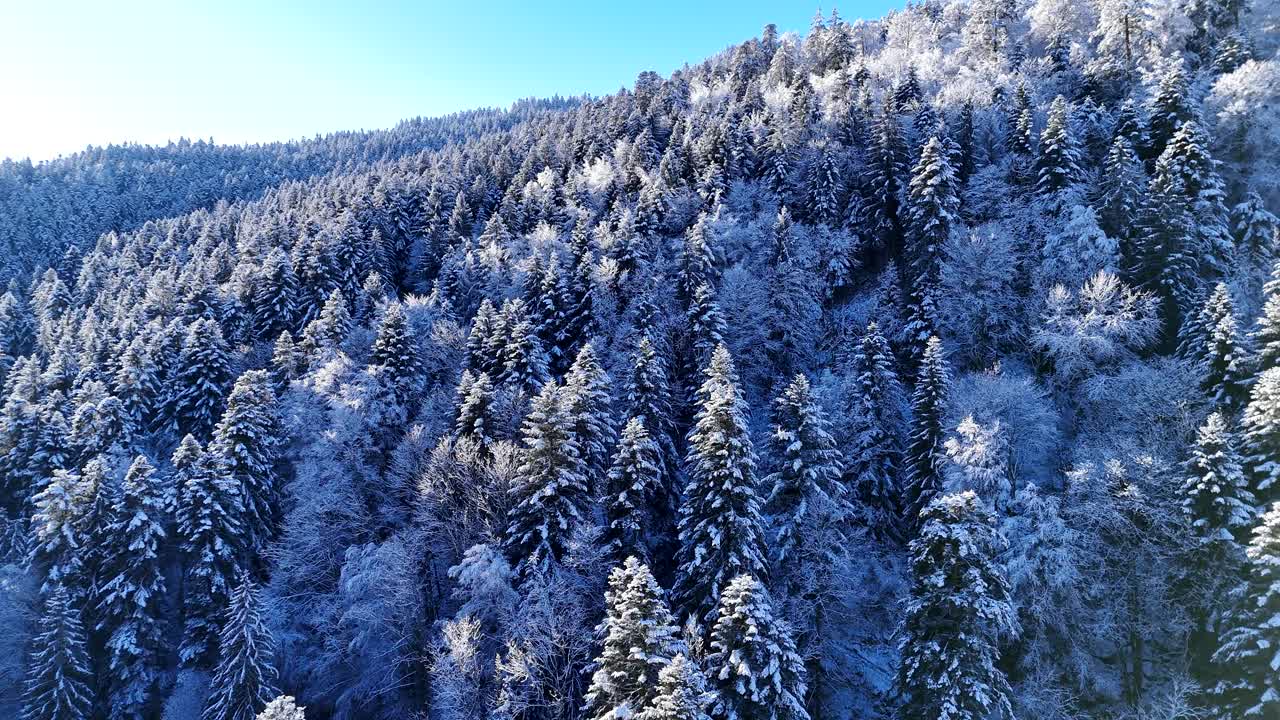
[{"x": 81, "y": 73}]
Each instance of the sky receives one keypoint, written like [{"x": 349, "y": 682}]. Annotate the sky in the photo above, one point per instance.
[{"x": 89, "y": 72}]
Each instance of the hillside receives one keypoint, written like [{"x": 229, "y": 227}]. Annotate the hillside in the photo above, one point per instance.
[{"x": 926, "y": 367}]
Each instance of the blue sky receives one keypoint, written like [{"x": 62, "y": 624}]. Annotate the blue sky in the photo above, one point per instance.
[{"x": 92, "y": 72}]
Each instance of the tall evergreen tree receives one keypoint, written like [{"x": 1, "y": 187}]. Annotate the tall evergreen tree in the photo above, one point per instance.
[
  {"x": 1248, "y": 685},
  {"x": 874, "y": 456},
  {"x": 476, "y": 418},
  {"x": 753, "y": 661},
  {"x": 274, "y": 296},
  {"x": 204, "y": 372},
  {"x": 59, "y": 682},
  {"x": 933, "y": 207},
  {"x": 638, "y": 637},
  {"x": 885, "y": 176},
  {"x": 682, "y": 693},
  {"x": 720, "y": 527},
  {"x": 1121, "y": 188},
  {"x": 925, "y": 456},
  {"x": 245, "y": 449},
  {"x": 245, "y": 678},
  {"x": 1058, "y": 165},
  {"x": 57, "y": 540},
  {"x": 586, "y": 392},
  {"x": 1222, "y": 361},
  {"x": 632, "y": 482},
  {"x": 957, "y": 612},
  {"x": 1170, "y": 107},
  {"x": 133, "y": 593},
  {"x": 1266, "y": 335},
  {"x": 1261, "y": 426},
  {"x": 396, "y": 350}
]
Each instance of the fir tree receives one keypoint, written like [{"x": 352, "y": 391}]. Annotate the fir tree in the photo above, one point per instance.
[
  {"x": 476, "y": 418},
  {"x": 482, "y": 328},
  {"x": 1221, "y": 360},
  {"x": 245, "y": 448},
  {"x": 1186, "y": 158},
  {"x": 822, "y": 187},
  {"x": 874, "y": 456},
  {"x": 287, "y": 361},
  {"x": 132, "y": 595},
  {"x": 1169, "y": 108},
  {"x": 632, "y": 482},
  {"x": 328, "y": 331},
  {"x": 1246, "y": 660},
  {"x": 550, "y": 499},
  {"x": 59, "y": 682},
  {"x": 925, "y": 456},
  {"x": 203, "y": 376},
  {"x": 282, "y": 708},
  {"x": 136, "y": 384},
  {"x": 933, "y": 207},
  {"x": 1266, "y": 336},
  {"x": 1254, "y": 229},
  {"x": 753, "y": 661},
  {"x": 1215, "y": 496},
  {"x": 720, "y": 528},
  {"x": 396, "y": 350},
  {"x": 209, "y": 534},
  {"x": 1261, "y": 426},
  {"x": 1167, "y": 262},
  {"x": 57, "y": 540},
  {"x": 1058, "y": 165},
  {"x": 1121, "y": 187},
  {"x": 524, "y": 364},
  {"x": 274, "y": 296},
  {"x": 586, "y": 392},
  {"x": 699, "y": 264},
  {"x": 638, "y": 638},
  {"x": 806, "y": 492},
  {"x": 682, "y": 693},
  {"x": 886, "y": 172},
  {"x": 957, "y": 611},
  {"x": 649, "y": 399},
  {"x": 245, "y": 678},
  {"x": 706, "y": 325}
]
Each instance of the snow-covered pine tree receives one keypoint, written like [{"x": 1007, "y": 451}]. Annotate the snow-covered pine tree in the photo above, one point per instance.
[
  {"x": 705, "y": 325},
  {"x": 132, "y": 595},
  {"x": 720, "y": 528},
  {"x": 1261, "y": 429},
  {"x": 872, "y": 468},
  {"x": 822, "y": 187},
  {"x": 482, "y": 328},
  {"x": 753, "y": 661},
  {"x": 1187, "y": 158},
  {"x": 288, "y": 362},
  {"x": 396, "y": 350},
  {"x": 806, "y": 497},
  {"x": 135, "y": 382},
  {"x": 476, "y": 419},
  {"x": 1222, "y": 362},
  {"x": 629, "y": 489},
  {"x": 925, "y": 456},
  {"x": 1254, "y": 230},
  {"x": 586, "y": 392},
  {"x": 204, "y": 373},
  {"x": 933, "y": 207},
  {"x": 245, "y": 678},
  {"x": 1167, "y": 262},
  {"x": 59, "y": 684},
  {"x": 699, "y": 262},
  {"x": 1245, "y": 662},
  {"x": 550, "y": 498},
  {"x": 1170, "y": 108},
  {"x": 682, "y": 693},
  {"x": 209, "y": 533},
  {"x": 1121, "y": 188},
  {"x": 886, "y": 173},
  {"x": 327, "y": 332},
  {"x": 245, "y": 449},
  {"x": 638, "y": 637},
  {"x": 649, "y": 398},
  {"x": 282, "y": 708},
  {"x": 956, "y": 614},
  {"x": 57, "y": 545},
  {"x": 274, "y": 296},
  {"x": 524, "y": 362},
  {"x": 1058, "y": 165}
]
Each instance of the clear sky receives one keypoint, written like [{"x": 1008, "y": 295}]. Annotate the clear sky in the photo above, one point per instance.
[{"x": 75, "y": 73}]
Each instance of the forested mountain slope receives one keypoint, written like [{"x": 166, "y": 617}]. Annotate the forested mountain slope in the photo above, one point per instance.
[{"x": 919, "y": 368}]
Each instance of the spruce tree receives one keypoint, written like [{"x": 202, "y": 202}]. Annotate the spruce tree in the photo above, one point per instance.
[
  {"x": 1187, "y": 158},
  {"x": 874, "y": 454},
  {"x": 699, "y": 263},
  {"x": 1245, "y": 662},
  {"x": 133, "y": 593},
  {"x": 396, "y": 350},
  {"x": 57, "y": 541},
  {"x": 1261, "y": 429},
  {"x": 629, "y": 488},
  {"x": 476, "y": 418},
  {"x": 327, "y": 332},
  {"x": 705, "y": 325},
  {"x": 885, "y": 175},
  {"x": 1266, "y": 335},
  {"x": 682, "y": 693},
  {"x": 245, "y": 448},
  {"x": 806, "y": 492},
  {"x": 482, "y": 327},
  {"x": 957, "y": 612},
  {"x": 933, "y": 207},
  {"x": 720, "y": 528},
  {"x": 136, "y": 384},
  {"x": 753, "y": 661},
  {"x": 550, "y": 498},
  {"x": 586, "y": 392},
  {"x": 1215, "y": 495},
  {"x": 1170, "y": 108},
  {"x": 245, "y": 678},
  {"x": 59, "y": 683},
  {"x": 1121, "y": 188},
  {"x": 1254, "y": 229},
  {"x": 287, "y": 361},
  {"x": 1222, "y": 362},
  {"x": 204, "y": 373},
  {"x": 638, "y": 637},
  {"x": 274, "y": 296},
  {"x": 209, "y": 534},
  {"x": 524, "y": 362},
  {"x": 822, "y": 187},
  {"x": 925, "y": 456},
  {"x": 1058, "y": 165},
  {"x": 1168, "y": 263}
]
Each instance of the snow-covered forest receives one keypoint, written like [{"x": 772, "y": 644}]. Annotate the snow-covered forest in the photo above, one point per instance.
[{"x": 922, "y": 368}]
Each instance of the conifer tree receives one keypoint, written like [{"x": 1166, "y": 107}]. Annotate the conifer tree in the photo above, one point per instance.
[
  {"x": 209, "y": 531},
  {"x": 59, "y": 683},
  {"x": 886, "y": 174},
  {"x": 720, "y": 528},
  {"x": 328, "y": 331},
  {"x": 822, "y": 187},
  {"x": 244, "y": 450},
  {"x": 524, "y": 364},
  {"x": 287, "y": 361},
  {"x": 245, "y": 678},
  {"x": 1169, "y": 108},
  {"x": 204, "y": 372},
  {"x": 1261, "y": 428},
  {"x": 1168, "y": 264},
  {"x": 1254, "y": 229},
  {"x": 957, "y": 612},
  {"x": 1266, "y": 335},
  {"x": 1187, "y": 158},
  {"x": 57, "y": 542},
  {"x": 753, "y": 661},
  {"x": 274, "y": 296},
  {"x": 1215, "y": 496},
  {"x": 396, "y": 350},
  {"x": 638, "y": 638},
  {"x": 136, "y": 384},
  {"x": 1121, "y": 187},
  {"x": 550, "y": 498},
  {"x": 806, "y": 494},
  {"x": 282, "y": 708},
  {"x": 682, "y": 693},
  {"x": 699, "y": 264},
  {"x": 132, "y": 594},
  {"x": 475, "y": 419},
  {"x": 1058, "y": 165},
  {"x": 482, "y": 328},
  {"x": 874, "y": 455},
  {"x": 632, "y": 482},
  {"x": 706, "y": 325},
  {"x": 649, "y": 399},
  {"x": 933, "y": 208},
  {"x": 586, "y": 391},
  {"x": 1245, "y": 662},
  {"x": 925, "y": 456},
  {"x": 1221, "y": 360}
]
